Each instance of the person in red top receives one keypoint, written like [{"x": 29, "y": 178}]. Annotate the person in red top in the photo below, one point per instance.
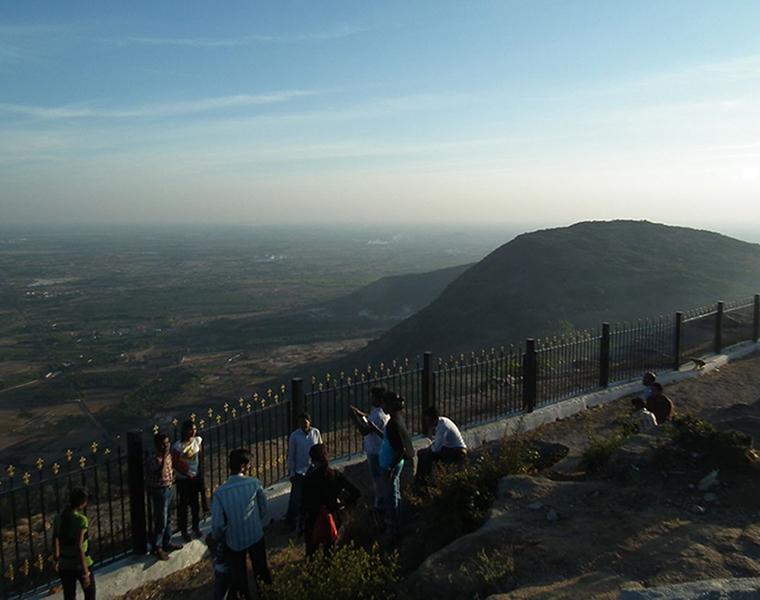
[
  {"x": 659, "y": 404},
  {"x": 159, "y": 475}
]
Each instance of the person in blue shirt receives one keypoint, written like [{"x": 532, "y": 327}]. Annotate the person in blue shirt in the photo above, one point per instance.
[
  {"x": 395, "y": 448},
  {"x": 237, "y": 510}
]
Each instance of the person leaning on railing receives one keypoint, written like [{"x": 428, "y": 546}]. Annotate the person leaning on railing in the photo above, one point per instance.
[
  {"x": 186, "y": 454},
  {"x": 70, "y": 547}
]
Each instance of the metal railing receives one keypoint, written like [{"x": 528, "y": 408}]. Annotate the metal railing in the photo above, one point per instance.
[{"x": 470, "y": 389}]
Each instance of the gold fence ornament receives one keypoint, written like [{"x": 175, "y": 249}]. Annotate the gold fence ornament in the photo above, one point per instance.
[
  {"x": 11, "y": 470},
  {"x": 156, "y": 429},
  {"x": 40, "y": 463},
  {"x": 26, "y": 478},
  {"x": 94, "y": 447}
]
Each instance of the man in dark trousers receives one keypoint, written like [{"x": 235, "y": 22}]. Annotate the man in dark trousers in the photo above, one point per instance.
[{"x": 237, "y": 510}]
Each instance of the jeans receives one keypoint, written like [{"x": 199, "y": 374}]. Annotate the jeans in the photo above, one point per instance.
[
  {"x": 426, "y": 457},
  {"x": 392, "y": 497},
  {"x": 162, "y": 523},
  {"x": 69, "y": 582},
  {"x": 221, "y": 584},
  {"x": 236, "y": 560},
  {"x": 294, "y": 501},
  {"x": 189, "y": 491},
  {"x": 376, "y": 473}
]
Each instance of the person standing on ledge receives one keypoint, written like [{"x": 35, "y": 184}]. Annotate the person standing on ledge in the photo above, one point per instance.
[
  {"x": 71, "y": 547},
  {"x": 448, "y": 445},
  {"x": 237, "y": 511},
  {"x": 299, "y": 444},
  {"x": 186, "y": 455},
  {"x": 159, "y": 476}
]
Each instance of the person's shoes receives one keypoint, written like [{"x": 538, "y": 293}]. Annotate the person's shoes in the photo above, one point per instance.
[
  {"x": 160, "y": 554},
  {"x": 171, "y": 547},
  {"x": 198, "y": 533},
  {"x": 186, "y": 537}
]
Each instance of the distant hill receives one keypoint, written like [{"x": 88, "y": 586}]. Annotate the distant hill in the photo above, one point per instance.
[
  {"x": 576, "y": 277},
  {"x": 392, "y": 298}
]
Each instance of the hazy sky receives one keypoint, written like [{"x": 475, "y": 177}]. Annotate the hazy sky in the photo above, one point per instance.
[{"x": 266, "y": 111}]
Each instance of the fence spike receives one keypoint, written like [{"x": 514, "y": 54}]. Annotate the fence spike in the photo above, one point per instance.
[
  {"x": 69, "y": 455},
  {"x": 94, "y": 447},
  {"x": 226, "y": 407},
  {"x": 40, "y": 463},
  {"x": 56, "y": 467},
  {"x": 175, "y": 421},
  {"x": 82, "y": 462},
  {"x": 26, "y": 478},
  {"x": 156, "y": 429},
  {"x": 193, "y": 416},
  {"x": 11, "y": 470},
  {"x": 202, "y": 424}
]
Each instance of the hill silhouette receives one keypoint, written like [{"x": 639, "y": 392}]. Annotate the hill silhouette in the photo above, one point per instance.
[{"x": 574, "y": 278}]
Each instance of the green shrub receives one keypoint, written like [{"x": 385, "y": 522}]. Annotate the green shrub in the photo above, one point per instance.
[
  {"x": 596, "y": 455},
  {"x": 462, "y": 494},
  {"x": 726, "y": 446},
  {"x": 350, "y": 572}
]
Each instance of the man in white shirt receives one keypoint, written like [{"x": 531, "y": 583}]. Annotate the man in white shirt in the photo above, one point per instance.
[
  {"x": 237, "y": 510},
  {"x": 299, "y": 444},
  {"x": 448, "y": 445}
]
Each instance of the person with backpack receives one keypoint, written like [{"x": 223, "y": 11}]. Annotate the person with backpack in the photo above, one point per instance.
[{"x": 326, "y": 492}]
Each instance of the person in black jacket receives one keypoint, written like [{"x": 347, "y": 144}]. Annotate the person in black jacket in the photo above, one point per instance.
[
  {"x": 325, "y": 487},
  {"x": 394, "y": 450}
]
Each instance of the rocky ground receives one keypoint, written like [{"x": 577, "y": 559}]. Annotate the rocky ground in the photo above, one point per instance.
[{"x": 565, "y": 535}]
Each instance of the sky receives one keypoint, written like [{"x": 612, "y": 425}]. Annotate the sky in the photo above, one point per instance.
[{"x": 267, "y": 112}]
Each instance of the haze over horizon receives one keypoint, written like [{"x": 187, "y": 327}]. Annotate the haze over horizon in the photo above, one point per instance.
[{"x": 538, "y": 112}]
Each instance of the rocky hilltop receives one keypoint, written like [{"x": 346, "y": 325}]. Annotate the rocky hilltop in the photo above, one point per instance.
[{"x": 573, "y": 278}]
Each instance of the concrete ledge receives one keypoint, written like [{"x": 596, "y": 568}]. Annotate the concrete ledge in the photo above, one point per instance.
[
  {"x": 724, "y": 589},
  {"x": 120, "y": 577}
]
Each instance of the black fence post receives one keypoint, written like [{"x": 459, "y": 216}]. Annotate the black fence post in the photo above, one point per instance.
[
  {"x": 678, "y": 342},
  {"x": 297, "y": 401},
  {"x": 756, "y": 320},
  {"x": 604, "y": 356},
  {"x": 530, "y": 375},
  {"x": 428, "y": 381},
  {"x": 719, "y": 328},
  {"x": 136, "y": 484}
]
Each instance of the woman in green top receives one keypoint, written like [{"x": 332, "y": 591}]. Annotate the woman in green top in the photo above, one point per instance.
[{"x": 70, "y": 547}]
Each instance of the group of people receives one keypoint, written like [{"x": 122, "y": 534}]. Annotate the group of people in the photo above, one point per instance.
[
  {"x": 318, "y": 496},
  {"x": 166, "y": 464},
  {"x": 653, "y": 407},
  {"x": 388, "y": 445}
]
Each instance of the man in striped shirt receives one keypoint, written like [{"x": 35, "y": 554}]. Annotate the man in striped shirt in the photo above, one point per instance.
[{"x": 237, "y": 510}]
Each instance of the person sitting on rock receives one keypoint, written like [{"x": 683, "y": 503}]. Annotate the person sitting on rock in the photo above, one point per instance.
[
  {"x": 448, "y": 445},
  {"x": 659, "y": 404},
  {"x": 643, "y": 419},
  {"x": 647, "y": 380}
]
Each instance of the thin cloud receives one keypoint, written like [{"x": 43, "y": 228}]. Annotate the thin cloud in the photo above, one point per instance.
[
  {"x": 248, "y": 40},
  {"x": 155, "y": 110}
]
